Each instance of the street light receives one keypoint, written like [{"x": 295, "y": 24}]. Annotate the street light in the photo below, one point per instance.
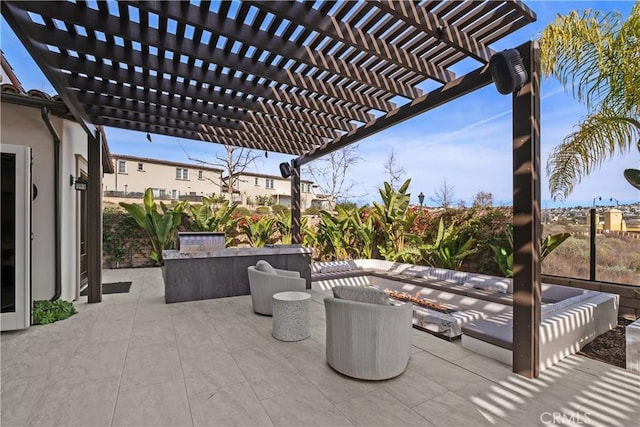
[
  {"x": 616, "y": 200},
  {"x": 594, "y": 200},
  {"x": 421, "y": 199}
]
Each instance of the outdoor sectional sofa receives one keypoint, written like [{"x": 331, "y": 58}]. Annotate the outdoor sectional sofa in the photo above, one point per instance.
[{"x": 570, "y": 317}]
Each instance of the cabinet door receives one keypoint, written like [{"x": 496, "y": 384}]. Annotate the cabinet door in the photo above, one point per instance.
[{"x": 16, "y": 237}]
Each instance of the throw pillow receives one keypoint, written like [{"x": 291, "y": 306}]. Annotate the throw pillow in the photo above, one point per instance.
[
  {"x": 368, "y": 295},
  {"x": 265, "y": 267},
  {"x": 489, "y": 283}
]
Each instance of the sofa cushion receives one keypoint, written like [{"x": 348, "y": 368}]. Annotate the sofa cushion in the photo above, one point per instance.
[
  {"x": 368, "y": 295},
  {"x": 554, "y": 293},
  {"x": 445, "y": 275},
  {"x": 265, "y": 267},
  {"x": 561, "y": 305},
  {"x": 489, "y": 283}
]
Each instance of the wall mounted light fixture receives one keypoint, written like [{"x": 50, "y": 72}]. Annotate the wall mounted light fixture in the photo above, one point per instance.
[{"x": 79, "y": 183}]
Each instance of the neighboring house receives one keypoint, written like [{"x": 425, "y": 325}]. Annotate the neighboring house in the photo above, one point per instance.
[
  {"x": 169, "y": 180},
  {"x": 250, "y": 187},
  {"x": 44, "y": 249}
]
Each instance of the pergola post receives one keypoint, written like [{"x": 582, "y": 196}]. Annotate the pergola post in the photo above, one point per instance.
[
  {"x": 526, "y": 218},
  {"x": 94, "y": 218},
  {"x": 296, "y": 236}
]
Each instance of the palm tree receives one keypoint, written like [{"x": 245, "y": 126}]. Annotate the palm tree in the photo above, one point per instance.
[{"x": 597, "y": 56}]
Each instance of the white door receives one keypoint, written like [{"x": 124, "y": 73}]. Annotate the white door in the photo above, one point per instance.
[{"x": 16, "y": 237}]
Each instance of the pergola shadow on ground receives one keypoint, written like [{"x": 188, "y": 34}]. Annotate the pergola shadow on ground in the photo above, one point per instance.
[
  {"x": 298, "y": 78},
  {"x": 134, "y": 360}
]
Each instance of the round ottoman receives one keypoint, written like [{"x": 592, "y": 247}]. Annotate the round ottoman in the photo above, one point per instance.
[{"x": 291, "y": 316}]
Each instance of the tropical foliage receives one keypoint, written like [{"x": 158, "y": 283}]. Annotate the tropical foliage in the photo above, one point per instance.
[
  {"x": 212, "y": 216},
  {"x": 473, "y": 239},
  {"x": 395, "y": 220},
  {"x": 596, "y": 56},
  {"x": 160, "y": 226},
  {"x": 504, "y": 254},
  {"x": 450, "y": 248},
  {"x": 259, "y": 230}
]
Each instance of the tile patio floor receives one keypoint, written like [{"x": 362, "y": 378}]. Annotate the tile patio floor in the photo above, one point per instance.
[{"x": 133, "y": 360}]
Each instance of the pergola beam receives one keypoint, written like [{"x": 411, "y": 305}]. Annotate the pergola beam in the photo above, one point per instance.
[{"x": 450, "y": 91}]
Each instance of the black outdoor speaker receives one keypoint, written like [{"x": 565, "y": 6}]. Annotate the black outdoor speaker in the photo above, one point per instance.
[
  {"x": 507, "y": 71},
  {"x": 285, "y": 170}
]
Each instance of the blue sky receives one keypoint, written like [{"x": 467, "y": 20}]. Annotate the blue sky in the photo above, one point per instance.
[{"x": 467, "y": 142}]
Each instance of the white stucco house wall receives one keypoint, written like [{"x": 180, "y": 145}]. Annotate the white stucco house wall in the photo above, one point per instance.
[{"x": 24, "y": 126}]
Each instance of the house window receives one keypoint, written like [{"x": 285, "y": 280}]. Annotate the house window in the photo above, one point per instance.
[
  {"x": 200, "y": 175},
  {"x": 122, "y": 166},
  {"x": 182, "y": 173},
  {"x": 269, "y": 183},
  {"x": 159, "y": 193},
  {"x": 140, "y": 167},
  {"x": 257, "y": 181},
  {"x": 174, "y": 194}
]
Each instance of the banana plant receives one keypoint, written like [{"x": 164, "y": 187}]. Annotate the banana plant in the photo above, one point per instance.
[
  {"x": 449, "y": 248},
  {"x": 283, "y": 225},
  {"x": 364, "y": 233},
  {"x": 159, "y": 226},
  {"x": 503, "y": 255},
  {"x": 309, "y": 234},
  {"x": 206, "y": 217},
  {"x": 331, "y": 236},
  {"x": 259, "y": 231},
  {"x": 396, "y": 221}
]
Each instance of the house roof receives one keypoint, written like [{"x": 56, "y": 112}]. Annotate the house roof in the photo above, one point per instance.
[
  {"x": 164, "y": 162},
  {"x": 302, "y": 78},
  {"x": 15, "y": 93},
  {"x": 8, "y": 70},
  {"x": 37, "y": 99}
]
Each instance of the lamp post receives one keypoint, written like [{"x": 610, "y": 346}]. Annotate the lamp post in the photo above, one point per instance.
[
  {"x": 616, "y": 200},
  {"x": 592, "y": 240},
  {"x": 421, "y": 199}
]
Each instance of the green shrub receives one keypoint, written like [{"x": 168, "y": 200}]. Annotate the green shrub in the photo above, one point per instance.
[
  {"x": 241, "y": 211},
  {"x": 312, "y": 210},
  {"x": 45, "y": 312},
  {"x": 263, "y": 210},
  {"x": 279, "y": 209}
]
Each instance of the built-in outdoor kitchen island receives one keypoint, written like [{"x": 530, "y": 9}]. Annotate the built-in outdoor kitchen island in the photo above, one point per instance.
[{"x": 217, "y": 272}]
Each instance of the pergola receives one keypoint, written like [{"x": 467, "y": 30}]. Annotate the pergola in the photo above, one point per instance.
[{"x": 301, "y": 78}]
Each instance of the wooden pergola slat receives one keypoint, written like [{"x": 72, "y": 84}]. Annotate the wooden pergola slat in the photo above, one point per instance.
[
  {"x": 448, "y": 34},
  {"x": 277, "y": 45},
  {"x": 302, "y": 15}
]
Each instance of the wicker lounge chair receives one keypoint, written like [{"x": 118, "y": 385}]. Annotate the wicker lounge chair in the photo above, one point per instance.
[
  {"x": 368, "y": 341},
  {"x": 264, "y": 284}
]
